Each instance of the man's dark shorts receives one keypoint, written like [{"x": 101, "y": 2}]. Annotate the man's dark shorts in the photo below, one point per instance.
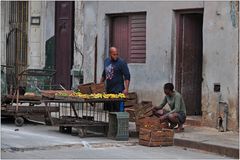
[
  {"x": 112, "y": 106},
  {"x": 181, "y": 117}
]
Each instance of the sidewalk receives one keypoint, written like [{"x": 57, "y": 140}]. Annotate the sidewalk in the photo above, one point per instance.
[{"x": 207, "y": 139}]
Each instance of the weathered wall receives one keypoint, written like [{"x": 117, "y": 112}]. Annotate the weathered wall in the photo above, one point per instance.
[
  {"x": 220, "y": 61},
  {"x": 78, "y": 41},
  {"x": 37, "y": 34},
  {"x": 3, "y": 5},
  {"x": 220, "y": 50},
  {"x": 90, "y": 33},
  {"x": 50, "y": 20},
  {"x": 36, "y": 54},
  {"x": 4, "y": 29},
  {"x": 158, "y": 42}
]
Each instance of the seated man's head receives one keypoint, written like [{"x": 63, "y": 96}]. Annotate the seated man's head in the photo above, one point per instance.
[
  {"x": 168, "y": 89},
  {"x": 113, "y": 53}
]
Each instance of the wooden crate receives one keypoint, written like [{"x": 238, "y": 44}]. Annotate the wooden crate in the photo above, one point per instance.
[
  {"x": 131, "y": 112},
  {"x": 143, "y": 108},
  {"x": 138, "y": 111},
  {"x": 132, "y": 100},
  {"x": 154, "y": 144},
  {"x": 85, "y": 88},
  {"x": 162, "y": 133},
  {"x": 98, "y": 88},
  {"x": 132, "y": 95},
  {"x": 149, "y": 123},
  {"x": 155, "y": 137},
  {"x": 145, "y": 134}
]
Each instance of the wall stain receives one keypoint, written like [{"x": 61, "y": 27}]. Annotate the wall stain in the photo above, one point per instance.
[{"x": 234, "y": 12}]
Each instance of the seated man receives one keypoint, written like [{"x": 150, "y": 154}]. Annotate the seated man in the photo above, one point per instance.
[{"x": 177, "y": 115}]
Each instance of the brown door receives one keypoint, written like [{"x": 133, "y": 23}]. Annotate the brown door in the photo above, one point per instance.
[
  {"x": 128, "y": 34},
  {"x": 119, "y": 35},
  {"x": 64, "y": 42},
  {"x": 17, "y": 41},
  {"x": 189, "y": 60}
]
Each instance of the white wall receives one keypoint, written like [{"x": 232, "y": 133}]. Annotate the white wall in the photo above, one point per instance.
[
  {"x": 50, "y": 20},
  {"x": 36, "y": 54},
  {"x": 158, "y": 42},
  {"x": 220, "y": 50},
  {"x": 220, "y": 60},
  {"x": 78, "y": 40},
  {"x": 4, "y": 29}
]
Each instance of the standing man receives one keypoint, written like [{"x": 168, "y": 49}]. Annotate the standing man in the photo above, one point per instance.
[
  {"x": 117, "y": 77},
  {"x": 177, "y": 115}
]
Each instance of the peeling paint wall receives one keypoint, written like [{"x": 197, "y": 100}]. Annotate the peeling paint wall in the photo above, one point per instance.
[
  {"x": 159, "y": 50},
  {"x": 36, "y": 54},
  {"x": 50, "y": 20},
  {"x": 78, "y": 40},
  {"x": 5, "y": 5},
  {"x": 37, "y": 34},
  {"x": 220, "y": 61},
  {"x": 220, "y": 50},
  {"x": 220, "y": 47},
  {"x": 234, "y": 11},
  {"x": 90, "y": 32}
]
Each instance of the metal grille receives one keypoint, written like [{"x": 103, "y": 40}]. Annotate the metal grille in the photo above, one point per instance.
[{"x": 16, "y": 48}]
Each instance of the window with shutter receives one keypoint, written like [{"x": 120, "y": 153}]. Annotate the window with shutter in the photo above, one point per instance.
[
  {"x": 137, "y": 38},
  {"x": 128, "y": 34}
]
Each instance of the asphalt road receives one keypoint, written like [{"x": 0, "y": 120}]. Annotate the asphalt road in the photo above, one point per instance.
[{"x": 45, "y": 142}]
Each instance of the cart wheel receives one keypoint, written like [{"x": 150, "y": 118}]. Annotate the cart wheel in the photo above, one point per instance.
[
  {"x": 63, "y": 129},
  {"x": 19, "y": 121},
  {"x": 48, "y": 122},
  {"x": 82, "y": 132},
  {"x": 105, "y": 131}
]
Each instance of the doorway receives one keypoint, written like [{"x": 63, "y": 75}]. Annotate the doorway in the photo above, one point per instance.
[
  {"x": 64, "y": 19},
  {"x": 16, "y": 42},
  {"x": 189, "y": 58}
]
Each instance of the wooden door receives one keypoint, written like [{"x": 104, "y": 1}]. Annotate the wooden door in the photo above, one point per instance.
[
  {"x": 119, "y": 35},
  {"x": 128, "y": 34},
  {"x": 64, "y": 42},
  {"x": 189, "y": 60},
  {"x": 16, "y": 41}
]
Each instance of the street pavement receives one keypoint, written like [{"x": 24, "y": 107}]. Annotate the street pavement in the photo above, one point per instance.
[{"x": 33, "y": 141}]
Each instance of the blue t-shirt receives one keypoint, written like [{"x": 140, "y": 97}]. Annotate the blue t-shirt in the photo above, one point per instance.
[{"x": 115, "y": 72}]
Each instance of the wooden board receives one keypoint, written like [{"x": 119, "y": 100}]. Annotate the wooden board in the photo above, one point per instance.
[{"x": 21, "y": 97}]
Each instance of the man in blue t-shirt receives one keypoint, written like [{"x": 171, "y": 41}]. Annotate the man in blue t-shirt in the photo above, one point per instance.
[{"x": 116, "y": 74}]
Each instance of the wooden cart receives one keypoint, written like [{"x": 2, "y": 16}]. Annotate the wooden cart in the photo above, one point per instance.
[
  {"x": 81, "y": 114},
  {"x": 16, "y": 104}
]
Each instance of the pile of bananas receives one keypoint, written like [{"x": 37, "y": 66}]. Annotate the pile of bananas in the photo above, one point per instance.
[
  {"x": 62, "y": 94},
  {"x": 89, "y": 96}
]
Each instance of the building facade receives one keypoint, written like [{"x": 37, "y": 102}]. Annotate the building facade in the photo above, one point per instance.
[{"x": 194, "y": 45}]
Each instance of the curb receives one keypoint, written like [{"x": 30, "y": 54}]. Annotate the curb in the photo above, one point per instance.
[{"x": 221, "y": 150}]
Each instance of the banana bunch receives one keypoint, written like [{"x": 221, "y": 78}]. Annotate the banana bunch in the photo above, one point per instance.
[
  {"x": 97, "y": 95},
  {"x": 78, "y": 94},
  {"x": 62, "y": 94}
]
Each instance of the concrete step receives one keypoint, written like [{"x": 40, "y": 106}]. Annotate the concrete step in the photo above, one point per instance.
[
  {"x": 193, "y": 121},
  {"x": 218, "y": 149},
  {"x": 209, "y": 139}
]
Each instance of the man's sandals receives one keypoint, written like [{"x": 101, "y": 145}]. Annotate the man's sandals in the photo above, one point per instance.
[{"x": 178, "y": 130}]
